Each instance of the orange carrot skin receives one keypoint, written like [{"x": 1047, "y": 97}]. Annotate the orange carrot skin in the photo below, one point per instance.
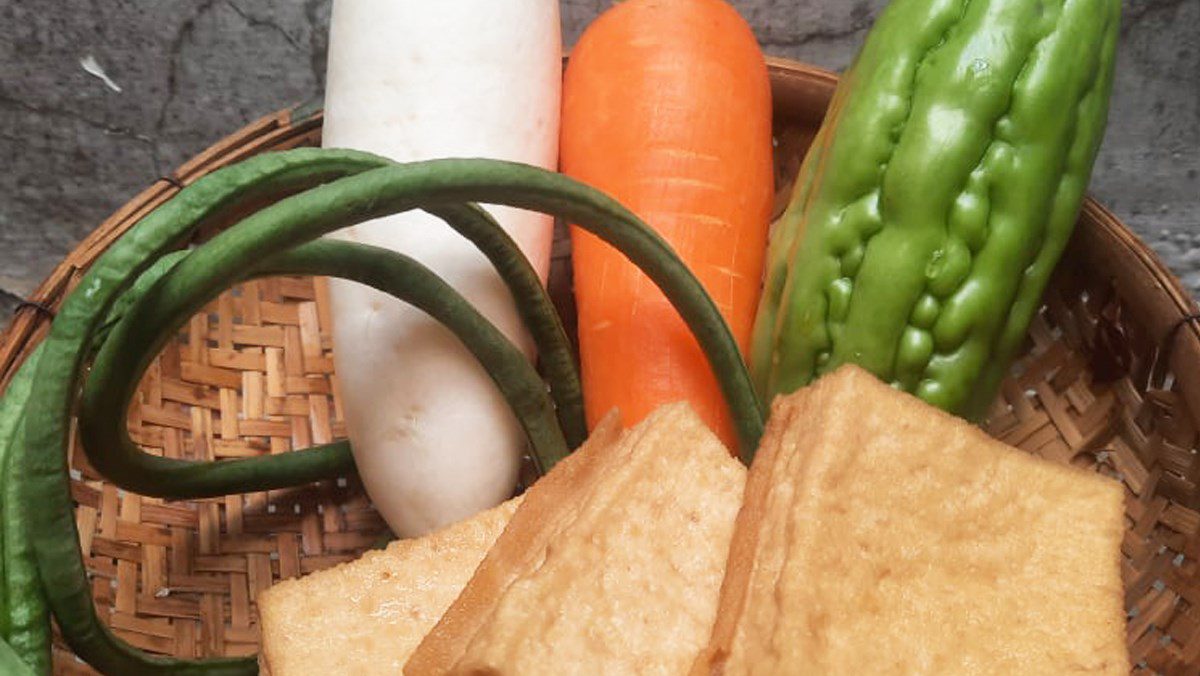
[{"x": 667, "y": 107}]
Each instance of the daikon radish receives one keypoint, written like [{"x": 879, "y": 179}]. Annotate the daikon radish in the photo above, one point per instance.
[{"x": 433, "y": 439}]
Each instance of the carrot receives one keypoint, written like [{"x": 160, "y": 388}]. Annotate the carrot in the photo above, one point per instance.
[{"x": 667, "y": 107}]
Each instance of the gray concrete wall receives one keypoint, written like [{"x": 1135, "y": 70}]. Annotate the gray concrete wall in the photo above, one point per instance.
[{"x": 191, "y": 71}]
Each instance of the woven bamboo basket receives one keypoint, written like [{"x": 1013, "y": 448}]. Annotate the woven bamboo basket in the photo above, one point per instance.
[{"x": 1109, "y": 379}]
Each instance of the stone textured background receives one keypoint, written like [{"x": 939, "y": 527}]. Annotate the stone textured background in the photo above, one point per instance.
[{"x": 191, "y": 71}]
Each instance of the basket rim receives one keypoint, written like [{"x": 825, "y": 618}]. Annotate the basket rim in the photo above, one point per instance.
[{"x": 803, "y": 90}]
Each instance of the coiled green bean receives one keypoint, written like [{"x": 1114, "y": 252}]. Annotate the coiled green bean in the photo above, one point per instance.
[
  {"x": 370, "y": 188},
  {"x": 157, "y": 316}
]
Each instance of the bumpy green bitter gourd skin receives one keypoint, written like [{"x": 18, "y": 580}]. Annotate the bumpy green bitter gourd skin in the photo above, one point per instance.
[{"x": 941, "y": 191}]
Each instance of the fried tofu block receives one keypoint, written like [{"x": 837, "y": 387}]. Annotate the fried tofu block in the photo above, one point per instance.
[
  {"x": 612, "y": 565},
  {"x": 881, "y": 535},
  {"x": 367, "y": 616}
]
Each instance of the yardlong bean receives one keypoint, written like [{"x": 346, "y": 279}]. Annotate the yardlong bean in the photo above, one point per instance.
[
  {"x": 150, "y": 323},
  {"x": 328, "y": 190}
]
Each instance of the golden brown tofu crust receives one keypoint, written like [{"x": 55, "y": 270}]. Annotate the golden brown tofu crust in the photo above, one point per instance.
[
  {"x": 881, "y": 535},
  {"x": 612, "y": 564},
  {"x": 367, "y": 616}
]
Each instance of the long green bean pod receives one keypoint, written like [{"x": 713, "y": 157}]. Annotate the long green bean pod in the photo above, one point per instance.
[
  {"x": 534, "y": 307},
  {"x": 167, "y": 307},
  {"x": 12, "y": 665},
  {"x": 24, "y": 614},
  {"x": 120, "y": 460},
  {"x": 287, "y": 223},
  {"x": 438, "y": 183},
  {"x": 42, "y": 462}
]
